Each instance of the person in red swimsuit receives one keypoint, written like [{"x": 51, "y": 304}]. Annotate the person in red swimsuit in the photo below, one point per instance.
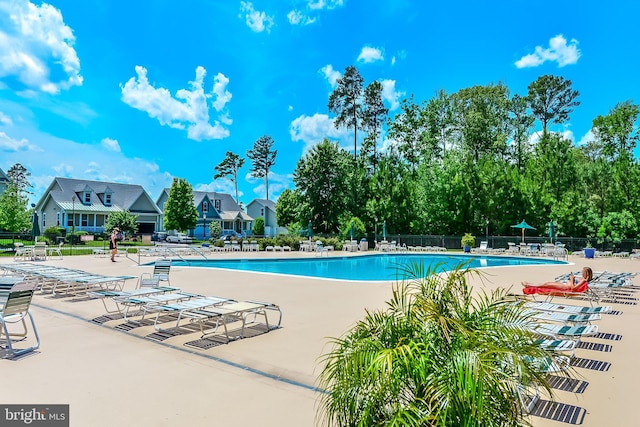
[{"x": 573, "y": 284}]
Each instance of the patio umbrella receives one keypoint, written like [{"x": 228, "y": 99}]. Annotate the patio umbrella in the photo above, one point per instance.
[
  {"x": 35, "y": 229},
  {"x": 384, "y": 230},
  {"x": 310, "y": 230},
  {"x": 524, "y": 226},
  {"x": 351, "y": 231},
  {"x": 552, "y": 230}
]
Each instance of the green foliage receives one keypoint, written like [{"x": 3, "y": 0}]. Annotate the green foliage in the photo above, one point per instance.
[
  {"x": 468, "y": 240},
  {"x": 230, "y": 166},
  {"x": 14, "y": 213},
  {"x": 296, "y": 229},
  {"x": 459, "y": 160},
  {"x": 359, "y": 229},
  {"x": 124, "y": 220},
  {"x": 288, "y": 207},
  {"x": 180, "y": 212},
  {"x": 74, "y": 237},
  {"x": 19, "y": 176},
  {"x": 322, "y": 178},
  {"x": 437, "y": 356},
  {"x": 258, "y": 226},
  {"x": 262, "y": 159},
  {"x": 551, "y": 100},
  {"x": 345, "y": 102},
  {"x": 52, "y": 233},
  {"x": 215, "y": 230},
  {"x": 616, "y": 226}
]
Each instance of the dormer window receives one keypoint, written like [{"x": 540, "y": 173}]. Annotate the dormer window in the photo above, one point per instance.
[
  {"x": 86, "y": 196},
  {"x": 107, "y": 199},
  {"x": 216, "y": 204},
  {"x": 205, "y": 207}
]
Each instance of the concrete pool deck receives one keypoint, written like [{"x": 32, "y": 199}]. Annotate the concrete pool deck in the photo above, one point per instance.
[{"x": 121, "y": 378}]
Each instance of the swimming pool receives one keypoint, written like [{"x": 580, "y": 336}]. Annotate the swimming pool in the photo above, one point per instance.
[{"x": 362, "y": 268}]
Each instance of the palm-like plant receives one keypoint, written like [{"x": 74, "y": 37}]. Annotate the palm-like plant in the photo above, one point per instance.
[{"x": 437, "y": 356}]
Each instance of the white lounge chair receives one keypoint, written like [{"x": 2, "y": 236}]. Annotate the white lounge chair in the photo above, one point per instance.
[
  {"x": 549, "y": 329},
  {"x": 224, "y": 314},
  {"x": 160, "y": 273},
  {"x": 14, "y": 310},
  {"x": 55, "y": 250}
]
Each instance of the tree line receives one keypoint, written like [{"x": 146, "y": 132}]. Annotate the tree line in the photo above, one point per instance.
[{"x": 459, "y": 161}]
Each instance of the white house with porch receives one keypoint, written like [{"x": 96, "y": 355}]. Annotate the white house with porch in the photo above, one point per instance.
[
  {"x": 212, "y": 206},
  {"x": 85, "y": 205}
]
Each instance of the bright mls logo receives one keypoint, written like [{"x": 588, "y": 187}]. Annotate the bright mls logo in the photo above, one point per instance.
[{"x": 34, "y": 415}]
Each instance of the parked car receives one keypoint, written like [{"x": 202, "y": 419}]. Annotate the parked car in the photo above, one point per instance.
[
  {"x": 159, "y": 236},
  {"x": 179, "y": 238}
]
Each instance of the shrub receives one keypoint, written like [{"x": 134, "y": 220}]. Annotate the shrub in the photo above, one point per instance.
[
  {"x": 52, "y": 233},
  {"x": 258, "y": 227},
  {"x": 468, "y": 240}
]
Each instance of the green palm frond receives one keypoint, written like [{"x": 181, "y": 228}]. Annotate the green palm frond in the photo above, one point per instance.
[{"x": 436, "y": 356}]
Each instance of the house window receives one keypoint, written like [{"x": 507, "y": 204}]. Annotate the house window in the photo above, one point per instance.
[
  {"x": 107, "y": 199},
  {"x": 58, "y": 218},
  {"x": 205, "y": 207},
  {"x": 69, "y": 220},
  {"x": 216, "y": 204},
  {"x": 44, "y": 219},
  {"x": 87, "y": 197}
]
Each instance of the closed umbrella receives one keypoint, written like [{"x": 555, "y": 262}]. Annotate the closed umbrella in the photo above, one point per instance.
[
  {"x": 552, "y": 230},
  {"x": 310, "y": 230},
  {"x": 523, "y": 226},
  {"x": 35, "y": 228},
  {"x": 351, "y": 230},
  {"x": 384, "y": 230}
]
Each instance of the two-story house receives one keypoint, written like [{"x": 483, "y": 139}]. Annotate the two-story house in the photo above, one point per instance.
[
  {"x": 212, "y": 206},
  {"x": 266, "y": 209},
  {"x": 85, "y": 205}
]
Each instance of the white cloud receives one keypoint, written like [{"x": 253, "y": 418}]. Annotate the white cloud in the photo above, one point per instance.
[
  {"x": 5, "y": 120},
  {"x": 313, "y": 129},
  {"x": 370, "y": 54},
  {"x": 256, "y": 20},
  {"x": 534, "y": 138},
  {"x": 12, "y": 145},
  {"x": 296, "y": 17},
  {"x": 56, "y": 158},
  {"x": 189, "y": 109},
  {"x": 62, "y": 169},
  {"x": 277, "y": 183},
  {"x": 35, "y": 43},
  {"x": 111, "y": 144},
  {"x": 290, "y": 108},
  {"x": 587, "y": 138},
  {"x": 220, "y": 185},
  {"x": 558, "y": 51},
  {"x": 331, "y": 75},
  {"x": 393, "y": 60},
  {"x": 390, "y": 94},
  {"x": 324, "y": 4}
]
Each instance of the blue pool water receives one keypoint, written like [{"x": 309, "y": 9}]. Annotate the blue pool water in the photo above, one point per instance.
[{"x": 361, "y": 268}]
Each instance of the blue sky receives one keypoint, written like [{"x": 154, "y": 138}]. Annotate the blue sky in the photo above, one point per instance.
[{"x": 144, "y": 91}]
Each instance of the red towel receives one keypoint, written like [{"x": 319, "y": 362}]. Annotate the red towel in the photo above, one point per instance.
[{"x": 530, "y": 290}]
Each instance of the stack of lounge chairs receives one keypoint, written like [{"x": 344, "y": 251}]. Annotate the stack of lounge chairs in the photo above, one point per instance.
[{"x": 61, "y": 281}]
